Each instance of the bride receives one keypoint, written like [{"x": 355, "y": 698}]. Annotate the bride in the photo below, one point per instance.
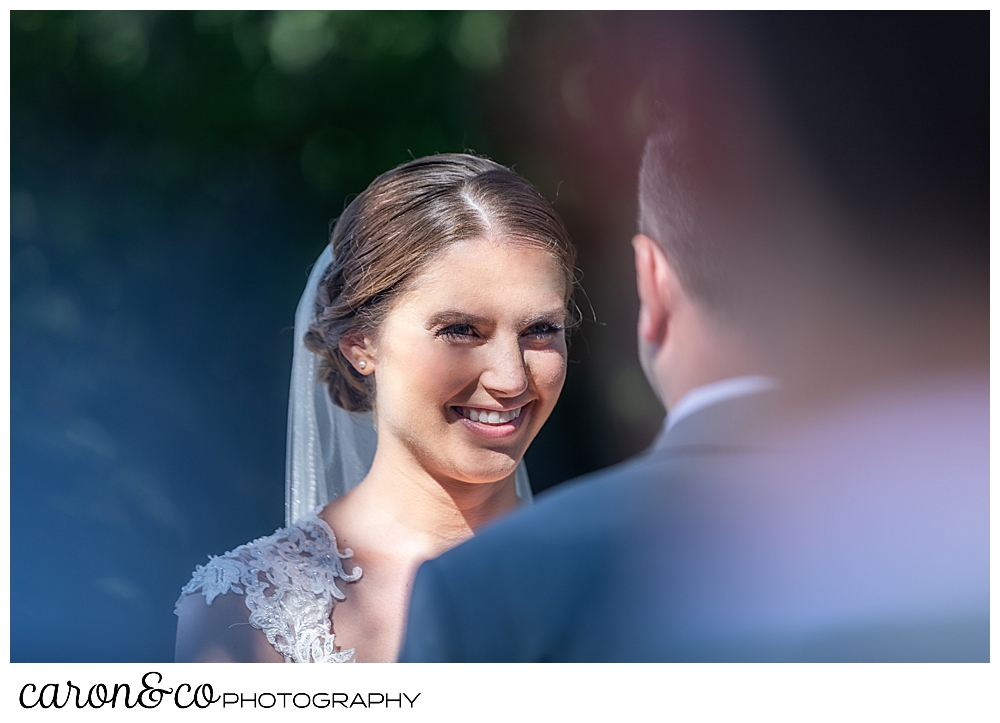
[{"x": 436, "y": 317}]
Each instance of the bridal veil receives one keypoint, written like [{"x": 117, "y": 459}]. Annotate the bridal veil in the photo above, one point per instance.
[{"x": 330, "y": 450}]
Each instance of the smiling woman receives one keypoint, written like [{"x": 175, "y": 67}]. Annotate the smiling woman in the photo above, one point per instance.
[
  {"x": 444, "y": 312},
  {"x": 450, "y": 348}
]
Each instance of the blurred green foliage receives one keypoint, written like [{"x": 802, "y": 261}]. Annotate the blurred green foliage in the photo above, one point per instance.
[{"x": 341, "y": 94}]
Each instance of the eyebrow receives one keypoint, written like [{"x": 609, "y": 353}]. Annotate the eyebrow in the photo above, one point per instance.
[
  {"x": 547, "y": 316},
  {"x": 446, "y": 318}
]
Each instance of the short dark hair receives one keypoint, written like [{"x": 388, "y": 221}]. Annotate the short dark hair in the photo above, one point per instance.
[
  {"x": 715, "y": 249},
  {"x": 667, "y": 211}
]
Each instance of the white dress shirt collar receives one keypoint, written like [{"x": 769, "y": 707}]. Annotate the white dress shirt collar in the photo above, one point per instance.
[{"x": 709, "y": 394}]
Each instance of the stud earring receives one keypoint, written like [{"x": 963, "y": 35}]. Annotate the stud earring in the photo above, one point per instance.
[{"x": 361, "y": 364}]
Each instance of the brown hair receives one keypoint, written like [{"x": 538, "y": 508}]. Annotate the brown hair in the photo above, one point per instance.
[
  {"x": 728, "y": 235},
  {"x": 672, "y": 211},
  {"x": 396, "y": 226}
]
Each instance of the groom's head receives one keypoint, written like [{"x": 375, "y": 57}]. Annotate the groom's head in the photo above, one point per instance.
[
  {"x": 713, "y": 256},
  {"x": 834, "y": 182}
]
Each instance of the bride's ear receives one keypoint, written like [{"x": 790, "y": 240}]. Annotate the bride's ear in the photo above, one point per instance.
[
  {"x": 656, "y": 294},
  {"x": 356, "y": 348}
]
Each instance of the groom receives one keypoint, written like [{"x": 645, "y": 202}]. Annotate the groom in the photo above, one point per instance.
[{"x": 839, "y": 514}]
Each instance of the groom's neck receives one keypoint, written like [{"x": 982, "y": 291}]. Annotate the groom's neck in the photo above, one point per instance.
[{"x": 700, "y": 351}]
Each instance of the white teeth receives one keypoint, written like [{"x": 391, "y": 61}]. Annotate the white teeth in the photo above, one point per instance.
[{"x": 477, "y": 415}]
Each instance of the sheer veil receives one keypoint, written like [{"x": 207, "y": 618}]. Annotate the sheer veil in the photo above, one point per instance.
[{"x": 330, "y": 450}]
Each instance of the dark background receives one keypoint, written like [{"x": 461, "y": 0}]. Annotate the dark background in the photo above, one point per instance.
[{"x": 173, "y": 176}]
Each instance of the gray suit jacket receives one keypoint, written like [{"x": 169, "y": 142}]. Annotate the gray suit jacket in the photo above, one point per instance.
[{"x": 703, "y": 549}]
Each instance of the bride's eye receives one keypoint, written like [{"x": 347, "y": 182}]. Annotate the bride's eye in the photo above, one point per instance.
[
  {"x": 459, "y": 332},
  {"x": 542, "y": 331}
]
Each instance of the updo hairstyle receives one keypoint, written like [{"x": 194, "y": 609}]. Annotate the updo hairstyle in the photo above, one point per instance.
[{"x": 389, "y": 232}]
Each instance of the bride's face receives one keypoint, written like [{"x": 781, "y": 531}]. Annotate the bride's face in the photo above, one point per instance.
[{"x": 469, "y": 362}]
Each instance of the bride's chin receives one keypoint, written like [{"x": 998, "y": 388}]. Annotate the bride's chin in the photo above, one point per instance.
[{"x": 484, "y": 471}]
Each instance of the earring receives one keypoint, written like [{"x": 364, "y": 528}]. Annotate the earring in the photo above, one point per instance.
[{"x": 361, "y": 364}]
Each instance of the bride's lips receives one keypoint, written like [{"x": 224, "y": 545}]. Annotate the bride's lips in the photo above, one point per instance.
[{"x": 485, "y": 430}]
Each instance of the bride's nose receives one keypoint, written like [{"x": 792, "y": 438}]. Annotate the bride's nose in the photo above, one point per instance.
[{"x": 505, "y": 374}]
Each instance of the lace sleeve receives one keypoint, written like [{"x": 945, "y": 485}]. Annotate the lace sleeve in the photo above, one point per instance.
[{"x": 280, "y": 589}]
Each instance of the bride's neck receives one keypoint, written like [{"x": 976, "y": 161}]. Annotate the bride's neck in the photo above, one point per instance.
[{"x": 431, "y": 511}]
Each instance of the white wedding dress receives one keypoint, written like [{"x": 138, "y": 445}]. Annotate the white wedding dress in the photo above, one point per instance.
[{"x": 290, "y": 581}]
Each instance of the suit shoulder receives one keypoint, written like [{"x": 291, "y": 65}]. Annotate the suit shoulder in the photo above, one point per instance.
[{"x": 510, "y": 592}]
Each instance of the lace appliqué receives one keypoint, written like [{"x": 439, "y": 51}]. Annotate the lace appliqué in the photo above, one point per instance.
[{"x": 290, "y": 583}]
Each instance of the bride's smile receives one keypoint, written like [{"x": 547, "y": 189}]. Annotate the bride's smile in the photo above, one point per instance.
[
  {"x": 470, "y": 360},
  {"x": 490, "y": 424}
]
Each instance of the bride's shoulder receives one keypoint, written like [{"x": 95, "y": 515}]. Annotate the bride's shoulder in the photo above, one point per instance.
[
  {"x": 303, "y": 552},
  {"x": 273, "y": 599}
]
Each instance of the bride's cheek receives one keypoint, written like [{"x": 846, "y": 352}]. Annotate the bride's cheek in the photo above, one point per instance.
[
  {"x": 549, "y": 372},
  {"x": 549, "y": 379}
]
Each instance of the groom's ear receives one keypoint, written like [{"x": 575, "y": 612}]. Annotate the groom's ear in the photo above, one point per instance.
[{"x": 653, "y": 282}]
